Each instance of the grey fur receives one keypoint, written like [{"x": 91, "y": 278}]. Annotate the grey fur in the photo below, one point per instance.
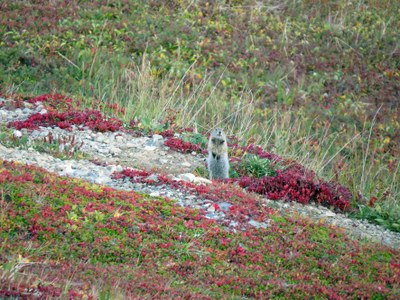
[{"x": 217, "y": 161}]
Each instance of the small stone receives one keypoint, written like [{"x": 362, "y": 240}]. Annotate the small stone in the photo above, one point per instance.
[
  {"x": 101, "y": 179},
  {"x": 153, "y": 177},
  {"x": 43, "y": 111},
  {"x": 64, "y": 169},
  {"x": 329, "y": 214},
  {"x": 149, "y": 148},
  {"x": 155, "y": 194},
  {"x": 126, "y": 145},
  {"x": 115, "y": 150},
  {"x": 189, "y": 177},
  {"x": 27, "y": 104},
  {"x": 211, "y": 208},
  {"x": 114, "y": 168},
  {"x": 211, "y": 216},
  {"x": 17, "y": 134},
  {"x": 119, "y": 138},
  {"x": 233, "y": 223},
  {"x": 171, "y": 177},
  {"x": 26, "y": 111},
  {"x": 100, "y": 137},
  {"x": 103, "y": 150},
  {"x": 258, "y": 224},
  {"x": 186, "y": 164},
  {"x": 201, "y": 180},
  {"x": 156, "y": 141},
  {"x": 224, "y": 205}
]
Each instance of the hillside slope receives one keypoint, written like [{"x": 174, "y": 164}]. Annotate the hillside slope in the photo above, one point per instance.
[{"x": 184, "y": 237}]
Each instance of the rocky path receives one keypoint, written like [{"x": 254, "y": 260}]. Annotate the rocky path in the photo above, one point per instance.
[{"x": 114, "y": 151}]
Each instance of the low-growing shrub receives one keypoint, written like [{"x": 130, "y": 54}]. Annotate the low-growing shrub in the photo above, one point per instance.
[{"x": 92, "y": 119}]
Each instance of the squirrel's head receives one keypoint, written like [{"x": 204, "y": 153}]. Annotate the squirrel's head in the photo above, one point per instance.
[{"x": 218, "y": 135}]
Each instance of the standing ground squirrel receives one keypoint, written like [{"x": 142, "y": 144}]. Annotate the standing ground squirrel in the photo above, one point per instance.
[{"x": 218, "y": 164}]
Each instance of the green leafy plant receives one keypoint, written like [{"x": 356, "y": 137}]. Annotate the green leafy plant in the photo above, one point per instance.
[
  {"x": 257, "y": 167},
  {"x": 377, "y": 215},
  {"x": 9, "y": 140},
  {"x": 198, "y": 139}
]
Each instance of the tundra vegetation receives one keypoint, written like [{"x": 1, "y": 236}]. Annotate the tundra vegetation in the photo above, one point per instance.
[{"x": 315, "y": 84}]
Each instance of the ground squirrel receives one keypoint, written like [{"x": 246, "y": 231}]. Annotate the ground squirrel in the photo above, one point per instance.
[{"x": 217, "y": 161}]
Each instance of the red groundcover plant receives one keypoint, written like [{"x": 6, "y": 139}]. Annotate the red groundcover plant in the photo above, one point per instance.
[
  {"x": 290, "y": 185},
  {"x": 92, "y": 119},
  {"x": 294, "y": 183},
  {"x": 65, "y": 238}
]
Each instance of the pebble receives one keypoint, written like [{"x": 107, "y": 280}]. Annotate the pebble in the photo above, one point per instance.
[
  {"x": 257, "y": 224},
  {"x": 189, "y": 177},
  {"x": 153, "y": 177},
  {"x": 156, "y": 141},
  {"x": 224, "y": 205},
  {"x": 17, "y": 134},
  {"x": 149, "y": 148},
  {"x": 163, "y": 161},
  {"x": 201, "y": 180}
]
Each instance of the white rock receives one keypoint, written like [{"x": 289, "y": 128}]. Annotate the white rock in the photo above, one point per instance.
[
  {"x": 17, "y": 134},
  {"x": 163, "y": 161},
  {"x": 119, "y": 138},
  {"x": 128, "y": 145},
  {"x": 153, "y": 177},
  {"x": 156, "y": 141},
  {"x": 201, "y": 180},
  {"x": 329, "y": 214},
  {"x": 186, "y": 164},
  {"x": 149, "y": 148},
  {"x": 65, "y": 169},
  {"x": 100, "y": 137},
  {"x": 258, "y": 224},
  {"x": 210, "y": 208},
  {"x": 115, "y": 150},
  {"x": 224, "y": 206},
  {"x": 189, "y": 177},
  {"x": 103, "y": 150},
  {"x": 102, "y": 179}
]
